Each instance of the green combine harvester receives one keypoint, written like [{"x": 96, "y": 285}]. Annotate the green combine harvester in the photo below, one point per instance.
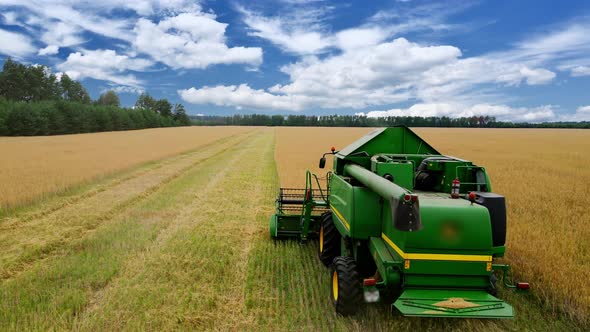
[{"x": 397, "y": 215}]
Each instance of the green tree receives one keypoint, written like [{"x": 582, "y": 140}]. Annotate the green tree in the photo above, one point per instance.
[
  {"x": 277, "y": 120},
  {"x": 180, "y": 115},
  {"x": 109, "y": 98},
  {"x": 28, "y": 83},
  {"x": 164, "y": 108},
  {"x": 41, "y": 84},
  {"x": 12, "y": 80},
  {"x": 73, "y": 90},
  {"x": 146, "y": 102},
  {"x": 4, "y": 111}
]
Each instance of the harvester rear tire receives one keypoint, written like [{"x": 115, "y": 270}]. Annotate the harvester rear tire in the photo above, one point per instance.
[
  {"x": 346, "y": 290},
  {"x": 330, "y": 238}
]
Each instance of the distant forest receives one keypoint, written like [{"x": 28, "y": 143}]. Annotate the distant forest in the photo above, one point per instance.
[
  {"x": 363, "y": 121},
  {"x": 34, "y": 101}
]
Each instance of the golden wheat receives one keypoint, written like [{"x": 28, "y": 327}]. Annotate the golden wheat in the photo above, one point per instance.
[
  {"x": 544, "y": 175},
  {"x": 33, "y": 166}
]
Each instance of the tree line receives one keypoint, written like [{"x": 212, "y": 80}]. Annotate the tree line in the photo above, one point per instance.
[
  {"x": 34, "y": 101},
  {"x": 363, "y": 121}
]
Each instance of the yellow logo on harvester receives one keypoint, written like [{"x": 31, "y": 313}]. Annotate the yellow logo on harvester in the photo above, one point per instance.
[{"x": 449, "y": 232}]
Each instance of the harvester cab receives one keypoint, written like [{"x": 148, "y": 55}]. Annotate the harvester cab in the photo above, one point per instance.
[{"x": 395, "y": 214}]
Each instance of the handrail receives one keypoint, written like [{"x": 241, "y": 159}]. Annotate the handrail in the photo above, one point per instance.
[
  {"x": 479, "y": 168},
  {"x": 309, "y": 177}
]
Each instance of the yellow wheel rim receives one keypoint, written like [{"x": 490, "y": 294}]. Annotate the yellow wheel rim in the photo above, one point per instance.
[
  {"x": 335, "y": 285},
  {"x": 321, "y": 239}
]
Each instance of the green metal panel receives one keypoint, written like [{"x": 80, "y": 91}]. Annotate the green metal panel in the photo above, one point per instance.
[
  {"x": 387, "y": 229},
  {"x": 452, "y": 303},
  {"x": 290, "y": 225},
  {"x": 273, "y": 226},
  {"x": 451, "y": 280},
  {"x": 432, "y": 267},
  {"x": 341, "y": 203},
  {"x": 366, "y": 211},
  {"x": 385, "y": 140},
  {"x": 389, "y": 140},
  {"x": 498, "y": 251},
  {"x": 451, "y": 225},
  {"x": 388, "y": 266},
  {"x": 402, "y": 172}
]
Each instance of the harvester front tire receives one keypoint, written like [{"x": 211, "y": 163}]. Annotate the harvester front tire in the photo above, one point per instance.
[
  {"x": 329, "y": 244},
  {"x": 346, "y": 290}
]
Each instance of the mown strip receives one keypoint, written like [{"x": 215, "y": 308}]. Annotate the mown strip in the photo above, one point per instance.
[
  {"x": 37, "y": 167},
  {"x": 193, "y": 275},
  {"x": 53, "y": 292},
  {"x": 53, "y": 202},
  {"x": 23, "y": 242}
]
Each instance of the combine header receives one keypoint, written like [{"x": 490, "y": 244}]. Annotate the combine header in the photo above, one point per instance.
[{"x": 397, "y": 215}]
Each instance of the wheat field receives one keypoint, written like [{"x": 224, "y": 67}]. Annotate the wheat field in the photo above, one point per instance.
[
  {"x": 181, "y": 242},
  {"x": 542, "y": 172},
  {"x": 31, "y": 167}
]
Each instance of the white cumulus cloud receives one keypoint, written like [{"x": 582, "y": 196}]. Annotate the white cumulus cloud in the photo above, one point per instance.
[
  {"x": 367, "y": 66},
  {"x": 294, "y": 34},
  {"x": 537, "y": 76},
  {"x": 241, "y": 96},
  {"x": 501, "y": 112},
  {"x": 61, "y": 22},
  {"x": 580, "y": 71},
  {"x": 191, "y": 40},
  {"x": 124, "y": 89},
  {"x": 381, "y": 73},
  {"x": 15, "y": 44},
  {"x": 143, "y": 7},
  {"x": 374, "y": 75},
  {"x": 582, "y": 114},
  {"x": 49, "y": 50},
  {"x": 62, "y": 34},
  {"x": 300, "y": 27},
  {"x": 10, "y": 18},
  {"x": 104, "y": 65}
]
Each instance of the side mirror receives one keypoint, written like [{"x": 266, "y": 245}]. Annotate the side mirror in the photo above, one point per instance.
[{"x": 322, "y": 162}]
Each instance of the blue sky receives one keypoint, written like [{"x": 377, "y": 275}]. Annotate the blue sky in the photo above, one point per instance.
[{"x": 515, "y": 60}]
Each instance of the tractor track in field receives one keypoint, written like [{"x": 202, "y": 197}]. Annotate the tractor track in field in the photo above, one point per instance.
[
  {"x": 81, "y": 224},
  {"x": 203, "y": 213},
  {"x": 183, "y": 223}
]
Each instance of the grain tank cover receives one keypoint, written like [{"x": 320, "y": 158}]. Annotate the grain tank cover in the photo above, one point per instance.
[{"x": 392, "y": 140}]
